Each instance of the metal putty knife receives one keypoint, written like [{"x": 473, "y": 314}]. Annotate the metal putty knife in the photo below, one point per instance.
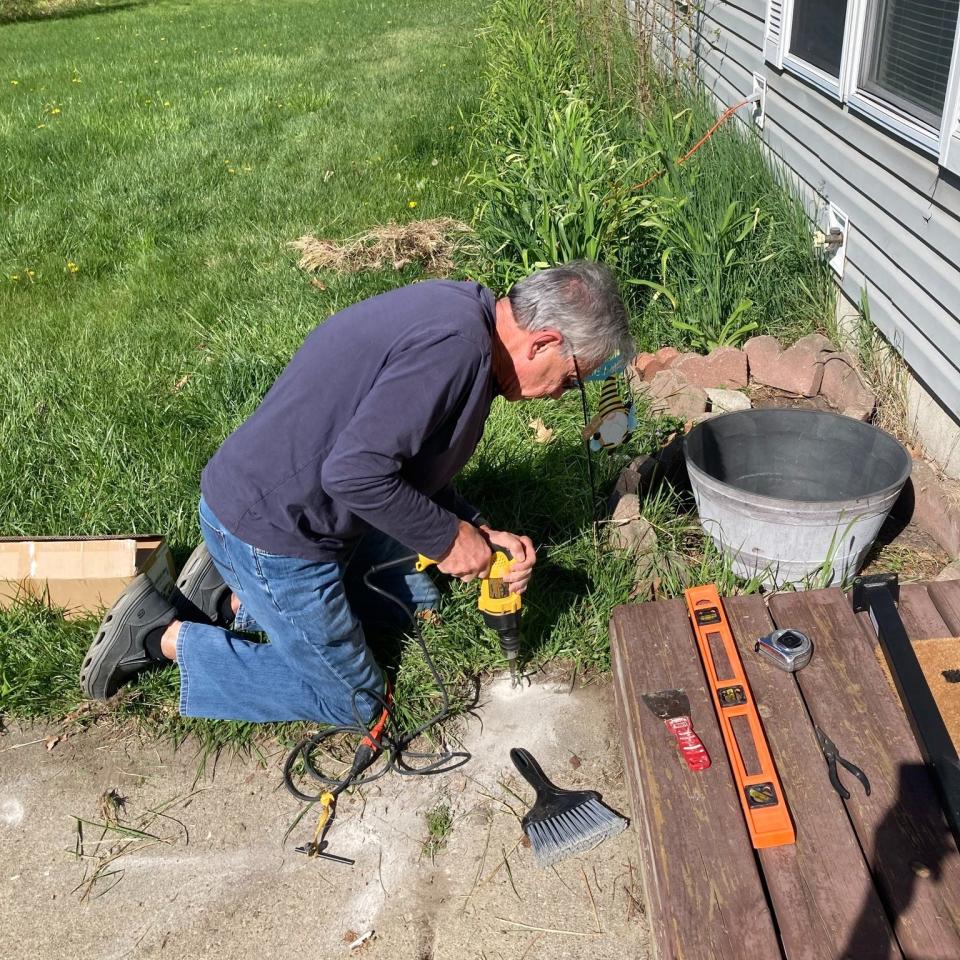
[{"x": 673, "y": 708}]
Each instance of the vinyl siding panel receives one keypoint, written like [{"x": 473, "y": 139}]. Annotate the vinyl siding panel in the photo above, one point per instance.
[{"x": 904, "y": 240}]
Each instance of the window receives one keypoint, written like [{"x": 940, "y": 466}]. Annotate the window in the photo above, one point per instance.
[
  {"x": 816, "y": 33},
  {"x": 895, "y": 61},
  {"x": 907, "y": 52}
]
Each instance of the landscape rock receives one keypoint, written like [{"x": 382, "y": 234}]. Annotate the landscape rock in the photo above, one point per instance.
[
  {"x": 629, "y": 530},
  {"x": 673, "y": 463},
  {"x": 635, "y": 381},
  {"x": 641, "y": 361},
  {"x": 797, "y": 370},
  {"x": 844, "y": 388},
  {"x": 723, "y": 367},
  {"x": 934, "y": 510},
  {"x": 816, "y": 343},
  {"x": 762, "y": 354},
  {"x": 637, "y": 478},
  {"x": 670, "y": 393},
  {"x": 653, "y": 368},
  {"x": 727, "y": 401},
  {"x": 666, "y": 355},
  {"x": 648, "y": 365}
]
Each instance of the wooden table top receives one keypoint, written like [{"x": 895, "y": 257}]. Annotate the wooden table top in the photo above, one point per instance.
[{"x": 870, "y": 877}]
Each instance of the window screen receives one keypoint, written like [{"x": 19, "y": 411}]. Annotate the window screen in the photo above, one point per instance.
[
  {"x": 816, "y": 35},
  {"x": 907, "y": 54}
]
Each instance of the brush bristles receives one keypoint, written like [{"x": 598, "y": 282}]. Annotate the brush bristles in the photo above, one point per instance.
[{"x": 576, "y": 830}]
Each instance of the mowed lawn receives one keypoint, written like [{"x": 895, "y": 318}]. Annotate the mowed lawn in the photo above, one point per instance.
[{"x": 156, "y": 159}]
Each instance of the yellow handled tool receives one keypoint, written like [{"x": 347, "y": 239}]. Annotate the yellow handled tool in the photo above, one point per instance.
[{"x": 500, "y": 607}]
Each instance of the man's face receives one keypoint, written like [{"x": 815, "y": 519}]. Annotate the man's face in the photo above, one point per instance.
[{"x": 544, "y": 369}]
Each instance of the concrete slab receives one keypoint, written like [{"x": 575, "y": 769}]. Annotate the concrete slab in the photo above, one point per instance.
[{"x": 218, "y": 881}]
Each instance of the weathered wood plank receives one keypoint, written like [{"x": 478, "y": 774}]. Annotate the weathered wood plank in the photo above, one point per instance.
[
  {"x": 901, "y": 829},
  {"x": 918, "y": 611},
  {"x": 946, "y": 597},
  {"x": 704, "y": 895},
  {"x": 821, "y": 888}
]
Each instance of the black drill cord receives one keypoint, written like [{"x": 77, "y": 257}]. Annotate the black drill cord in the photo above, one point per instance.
[{"x": 392, "y": 741}]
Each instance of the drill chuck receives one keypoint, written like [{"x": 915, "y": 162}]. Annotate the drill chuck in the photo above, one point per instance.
[{"x": 507, "y": 627}]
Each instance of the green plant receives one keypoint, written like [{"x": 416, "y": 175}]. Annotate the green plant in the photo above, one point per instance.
[
  {"x": 730, "y": 238},
  {"x": 564, "y": 195},
  {"x": 700, "y": 262},
  {"x": 553, "y": 175},
  {"x": 439, "y": 824}
]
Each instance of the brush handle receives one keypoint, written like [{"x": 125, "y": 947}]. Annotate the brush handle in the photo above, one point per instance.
[
  {"x": 689, "y": 744},
  {"x": 530, "y": 770}
]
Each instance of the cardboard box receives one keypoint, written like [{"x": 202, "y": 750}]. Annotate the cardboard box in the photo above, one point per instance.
[{"x": 81, "y": 574}]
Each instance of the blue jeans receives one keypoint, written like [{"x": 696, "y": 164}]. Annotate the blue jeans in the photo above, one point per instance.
[{"x": 315, "y": 664}]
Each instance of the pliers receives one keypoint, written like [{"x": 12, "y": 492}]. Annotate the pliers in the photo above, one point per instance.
[{"x": 832, "y": 756}]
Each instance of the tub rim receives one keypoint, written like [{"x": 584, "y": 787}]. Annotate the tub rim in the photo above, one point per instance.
[{"x": 794, "y": 411}]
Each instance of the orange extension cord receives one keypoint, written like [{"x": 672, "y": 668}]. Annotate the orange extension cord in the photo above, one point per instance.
[{"x": 722, "y": 119}]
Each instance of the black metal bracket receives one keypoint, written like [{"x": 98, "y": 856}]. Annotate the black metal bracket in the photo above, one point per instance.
[{"x": 878, "y": 595}]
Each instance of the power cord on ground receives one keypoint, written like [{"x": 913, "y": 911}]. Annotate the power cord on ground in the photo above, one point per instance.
[{"x": 383, "y": 737}]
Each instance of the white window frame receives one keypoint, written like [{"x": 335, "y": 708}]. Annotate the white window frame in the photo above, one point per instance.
[
  {"x": 943, "y": 143},
  {"x": 832, "y": 86}
]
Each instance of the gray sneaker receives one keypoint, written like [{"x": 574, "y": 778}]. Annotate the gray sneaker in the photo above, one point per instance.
[
  {"x": 119, "y": 650},
  {"x": 201, "y": 596}
]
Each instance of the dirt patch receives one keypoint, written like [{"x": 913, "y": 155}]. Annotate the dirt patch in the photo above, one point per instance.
[
  {"x": 221, "y": 883},
  {"x": 762, "y": 397},
  {"x": 428, "y": 243},
  {"x": 906, "y": 550}
]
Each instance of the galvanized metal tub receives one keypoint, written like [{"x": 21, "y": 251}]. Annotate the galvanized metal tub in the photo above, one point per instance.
[{"x": 793, "y": 496}]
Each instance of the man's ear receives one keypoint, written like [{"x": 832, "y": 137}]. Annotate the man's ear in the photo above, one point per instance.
[{"x": 544, "y": 339}]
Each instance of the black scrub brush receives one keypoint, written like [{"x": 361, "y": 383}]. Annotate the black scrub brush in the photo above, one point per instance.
[{"x": 563, "y": 822}]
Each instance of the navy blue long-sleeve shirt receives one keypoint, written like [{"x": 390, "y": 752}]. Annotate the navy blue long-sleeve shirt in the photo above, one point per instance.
[{"x": 378, "y": 410}]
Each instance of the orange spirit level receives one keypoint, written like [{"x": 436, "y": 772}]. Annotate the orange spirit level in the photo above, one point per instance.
[{"x": 758, "y": 785}]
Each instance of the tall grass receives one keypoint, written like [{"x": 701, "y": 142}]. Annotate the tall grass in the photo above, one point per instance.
[
  {"x": 552, "y": 174},
  {"x": 577, "y": 155}
]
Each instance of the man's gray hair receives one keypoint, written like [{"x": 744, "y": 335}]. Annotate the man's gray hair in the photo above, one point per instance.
[{"x": 579, "y": 299}]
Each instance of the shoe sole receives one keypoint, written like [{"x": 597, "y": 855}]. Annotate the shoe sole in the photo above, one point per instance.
[
  {"x": 113, "y": 642},
  {"x": 201, "y": 591}
]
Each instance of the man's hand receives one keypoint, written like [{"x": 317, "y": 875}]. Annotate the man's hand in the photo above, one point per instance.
[
  {"x": 523, "y": 553},
  {"x": 469, "y": 555}
]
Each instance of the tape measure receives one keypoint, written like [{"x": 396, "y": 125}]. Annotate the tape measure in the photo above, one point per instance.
[{"x": 787, "y": 649}]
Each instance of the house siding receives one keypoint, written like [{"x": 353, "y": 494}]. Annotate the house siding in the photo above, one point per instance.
[{"x": 903, "y": 244}]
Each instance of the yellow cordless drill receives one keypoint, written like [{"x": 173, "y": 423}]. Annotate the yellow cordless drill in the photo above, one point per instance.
[{"x": 500, "y": 608}]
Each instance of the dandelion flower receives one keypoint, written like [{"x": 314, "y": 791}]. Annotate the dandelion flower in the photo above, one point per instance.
[
  {"x": 54, "y": 111},
  {"x": 72, "y": 267},
  {"x": 15, "y": 82},
  {"x": 411, "y": 203},
  {"x": 166, "y": 103},
  {"x": 40, "y": 125},
  {"x": 31, "y": 274},
  {"x": 14, "y": 277}
]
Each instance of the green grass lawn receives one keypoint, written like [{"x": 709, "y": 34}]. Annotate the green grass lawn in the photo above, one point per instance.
[{"x": 158, "y": 158}]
